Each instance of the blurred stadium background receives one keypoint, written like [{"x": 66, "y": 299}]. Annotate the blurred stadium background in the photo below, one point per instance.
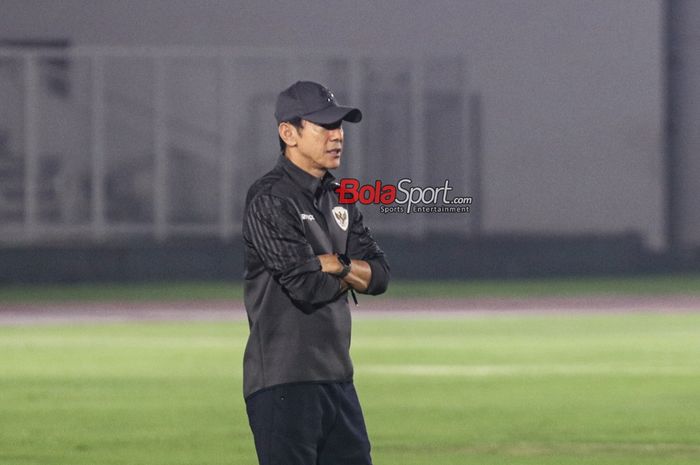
[
  {"x": 555, "y": 323},
  {"x": 129, "y": 132}
]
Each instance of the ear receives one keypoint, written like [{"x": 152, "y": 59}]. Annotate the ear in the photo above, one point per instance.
[{"x": 288, "y": 133}]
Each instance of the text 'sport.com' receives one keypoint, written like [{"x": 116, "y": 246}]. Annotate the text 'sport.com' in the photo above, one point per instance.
[{"x": 403, "y": 197}]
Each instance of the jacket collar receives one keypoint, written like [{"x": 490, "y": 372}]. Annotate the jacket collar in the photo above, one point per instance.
[{"x": 303, "y": 179}]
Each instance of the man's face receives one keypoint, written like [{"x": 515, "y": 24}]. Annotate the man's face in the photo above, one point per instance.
[{"x": 320, "y": 146}]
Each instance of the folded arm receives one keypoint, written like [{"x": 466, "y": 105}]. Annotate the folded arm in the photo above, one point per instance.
[
  {"x": 369, "y": 271},
  {"x": 274, "y": 230},
  {"x": 360, "y": 274}
]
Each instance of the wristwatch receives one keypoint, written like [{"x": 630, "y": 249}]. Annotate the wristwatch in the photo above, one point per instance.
[{"x": 347, "y": 265}]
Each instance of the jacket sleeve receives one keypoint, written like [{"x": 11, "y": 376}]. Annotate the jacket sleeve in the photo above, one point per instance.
[
  {"x": 361, "y": 245},
  {"x": 272, "y": 227}
]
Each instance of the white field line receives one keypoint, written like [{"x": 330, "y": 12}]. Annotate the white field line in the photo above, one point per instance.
[{"x": 480, "y": 371}]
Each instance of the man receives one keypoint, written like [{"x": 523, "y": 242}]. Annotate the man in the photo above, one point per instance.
[{"x": 303, "y": 253}]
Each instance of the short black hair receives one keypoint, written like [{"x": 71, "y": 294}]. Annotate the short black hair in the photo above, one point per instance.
[{"x": 296, "y": 122}]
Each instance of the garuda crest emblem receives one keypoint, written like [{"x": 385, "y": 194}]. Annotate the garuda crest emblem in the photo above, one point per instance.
[{"x": 341, "y": 217}]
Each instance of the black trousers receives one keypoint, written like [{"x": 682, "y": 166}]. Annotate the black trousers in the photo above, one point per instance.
[{"x": 309, "y": 424}]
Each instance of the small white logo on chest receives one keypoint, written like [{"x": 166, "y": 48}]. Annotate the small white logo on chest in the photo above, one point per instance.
[
  {"x": 341, "y": 217},
  {"x": 307, "y": 217}
]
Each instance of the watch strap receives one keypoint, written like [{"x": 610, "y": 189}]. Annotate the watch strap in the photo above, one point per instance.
[{"x": 347, "y": 265}]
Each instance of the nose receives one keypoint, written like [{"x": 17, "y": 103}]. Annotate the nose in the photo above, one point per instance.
[{"x": 335, "y": 134}]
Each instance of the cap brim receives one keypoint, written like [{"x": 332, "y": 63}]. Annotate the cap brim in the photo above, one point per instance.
[{"x": 334, "y": 114}]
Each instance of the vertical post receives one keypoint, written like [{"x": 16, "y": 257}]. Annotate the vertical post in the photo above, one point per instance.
[
  {"x": 671, "y": 31},
  {"x": 358, "y": 143},
  {"x": 31, "y": 161},
  {"x": 160, "y": 174},
  {"x": 466, "y": 148},
  {"x": 476, "y": 148},
  {"x": 226, "y": 157},
  {"x": 417, "y": 134},
  {"x": 98, "y": 149}
]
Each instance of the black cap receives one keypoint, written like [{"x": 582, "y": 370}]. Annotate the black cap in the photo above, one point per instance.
[{"x": 313, "y": 102}]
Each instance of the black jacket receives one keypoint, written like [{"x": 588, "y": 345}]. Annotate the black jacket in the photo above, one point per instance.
[{"x": 299, "y": 319}]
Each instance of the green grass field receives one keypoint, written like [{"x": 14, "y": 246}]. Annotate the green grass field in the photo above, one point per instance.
[
  {"x": 200, "y": 291},
  {"x": 491, "y": 389}
]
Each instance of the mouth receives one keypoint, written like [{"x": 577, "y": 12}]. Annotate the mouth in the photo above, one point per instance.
[{"x": 334, "y": 152}]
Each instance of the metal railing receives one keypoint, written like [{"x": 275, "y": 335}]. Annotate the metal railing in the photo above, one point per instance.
[{"x": 163, "y": 142}]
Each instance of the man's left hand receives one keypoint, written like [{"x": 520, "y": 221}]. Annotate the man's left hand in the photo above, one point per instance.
[{"x": 358, "y": 278}]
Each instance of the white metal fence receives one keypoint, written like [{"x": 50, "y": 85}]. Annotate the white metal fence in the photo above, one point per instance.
[{"x": 104, "y": 143}]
